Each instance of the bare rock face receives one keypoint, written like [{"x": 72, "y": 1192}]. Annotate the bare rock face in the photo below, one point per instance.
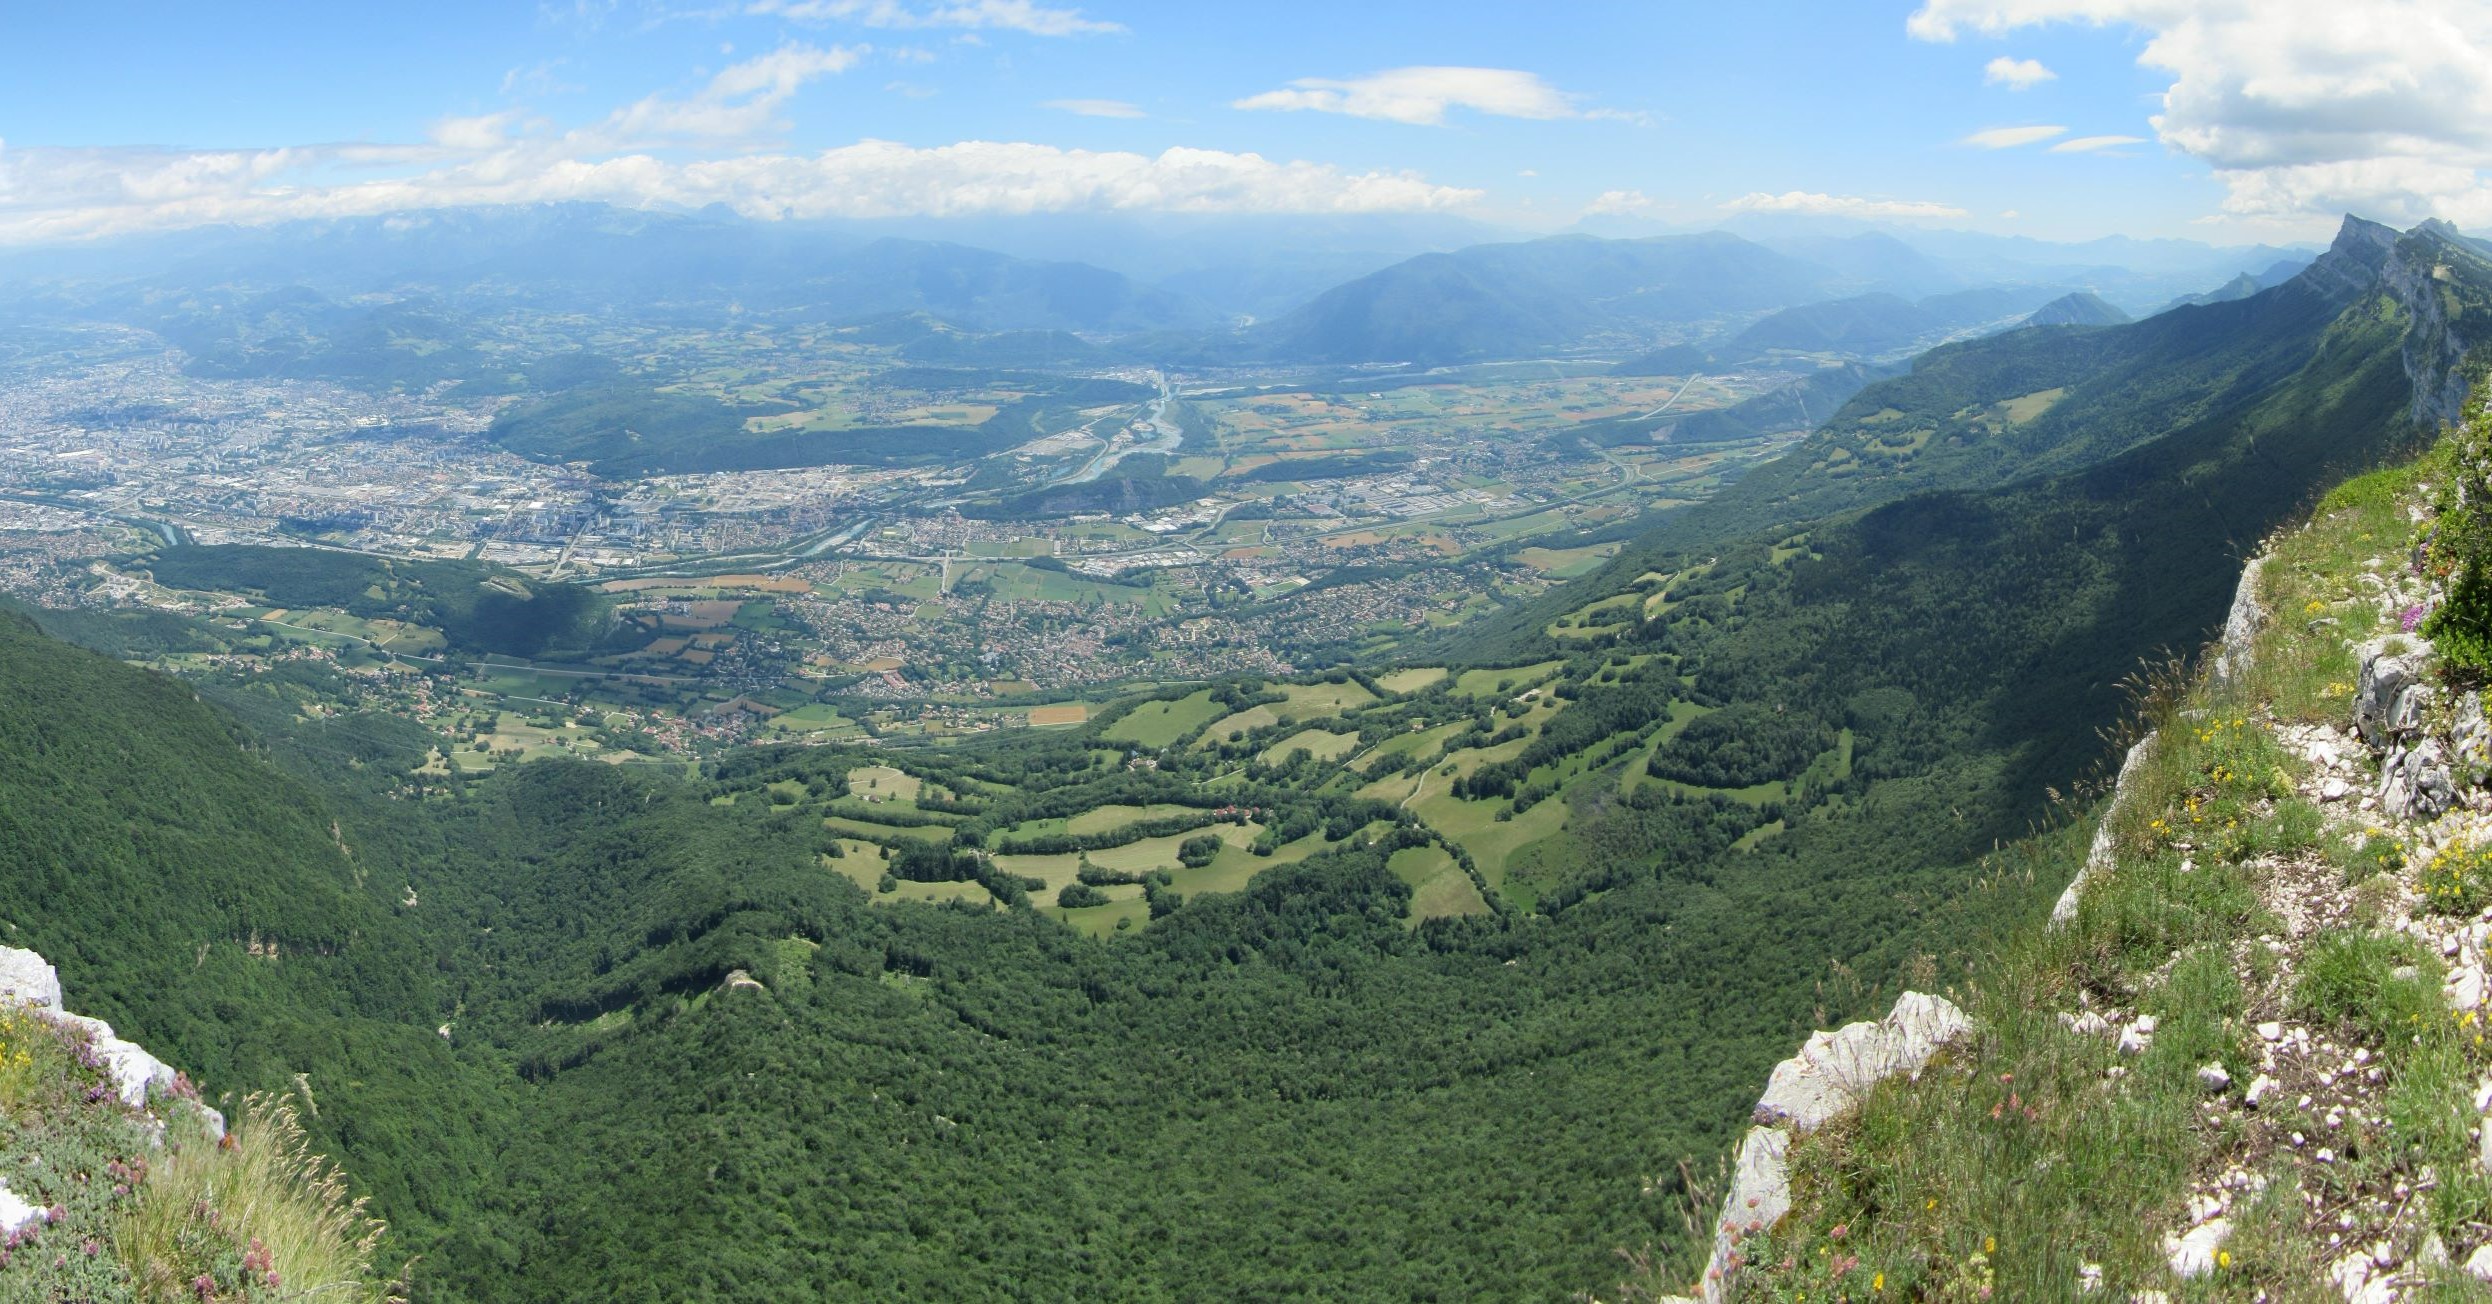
[
  {"x": 2098, "y": 858},
  {"x": 2385, "y": 678},
  {"x": 2472, "y": 737},
  {"x": 2416, "y": 783},
  {"x": 1834, "y": 1072},
  {"x": 27, "y": 979},
  {"x": 2243, "y": 623}
]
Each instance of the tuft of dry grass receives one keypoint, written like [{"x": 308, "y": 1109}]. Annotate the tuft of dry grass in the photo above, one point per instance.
[{"x": 256, "y": 1216}]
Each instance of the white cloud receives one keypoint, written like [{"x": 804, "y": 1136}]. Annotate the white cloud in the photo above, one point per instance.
[
  {"x": 63, "y": 194},
  {"x": 741, "y": 101},
  {"x": 1421, "y": 96},
  {"x": 1007, "y": 15},
  {"x": 2016, "y": 74},
  {"x": 1619, "y": 202},
  {"x": 484, "y": 131},
  {"x": 2304, "y": 108},
  {"x": 2011, "y": 137},
  {"x": 1820, "y": 205},
  {"x": 1097, "y": 108},
  {"x": 677, "y": 150},
  {"x": 2095, "y": 144},
  {"x": 536, "y": 80}
]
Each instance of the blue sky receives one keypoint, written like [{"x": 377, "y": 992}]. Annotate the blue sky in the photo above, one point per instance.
[{"x": 139, "y": 116}]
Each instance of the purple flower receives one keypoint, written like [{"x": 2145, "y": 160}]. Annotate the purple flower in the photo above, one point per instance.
[{"x": 2413, "y": 616}]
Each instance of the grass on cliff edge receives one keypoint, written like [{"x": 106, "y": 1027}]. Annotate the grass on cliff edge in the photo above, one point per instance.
[
  {"x": 134, "y": 1209},
  {"x": 2015, "y": 1160},
  {"x": 255, "y": 1217}
]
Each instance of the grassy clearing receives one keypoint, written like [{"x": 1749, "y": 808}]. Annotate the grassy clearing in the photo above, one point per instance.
[
  {"x": 1438, "y": 886},
  {"x": 1323, "y": 744},
  {"x": 884, "y": 783},
  {"x": 1411, "y": 680},
  {"x": 1474, "y": 824},
  {"x": 1161, "y": 724},
  {"x": 886, "y": 833},
  {"x": 1503, "y": 682}
]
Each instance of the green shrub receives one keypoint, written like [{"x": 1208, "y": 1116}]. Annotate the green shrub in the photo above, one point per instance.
[
  {"x": 1075, "y": 896},
  {"x": 2458, "y": 546},
  {"x": 2457, "y": 880}
]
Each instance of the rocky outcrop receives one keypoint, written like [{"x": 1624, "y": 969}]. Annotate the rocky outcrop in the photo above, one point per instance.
[
  {"x": 1834, "y": 1072},
  {"x": 2242, "y": 623},
  {"x": 2098, "y": 857},
  {"x": 2392, "y": 697},
  {"x": 28, "y": 980}
]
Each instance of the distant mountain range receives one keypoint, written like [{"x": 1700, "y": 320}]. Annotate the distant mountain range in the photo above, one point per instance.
[
  {"x": 1507, "y": 300},
  {"x": 1421, "y": 290}
]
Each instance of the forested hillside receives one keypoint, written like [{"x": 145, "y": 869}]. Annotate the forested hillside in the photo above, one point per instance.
[{"x": 480, "y": 608}]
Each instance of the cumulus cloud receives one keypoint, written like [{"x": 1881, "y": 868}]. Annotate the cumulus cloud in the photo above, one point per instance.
[
  {"x": 1097, "y": 108},
  {"x": 1422, "y": 96},
  {"x": 58, "y": 194},
  {"x": 2303, "y": 108},
  {"x": 2016, "y": 74},
  {"x": 1006, "y": 15},
  {"x": 2095, "y": 144},
  {"x": 1820, "y": 205},
  {"x": 2011, "y": 137}
]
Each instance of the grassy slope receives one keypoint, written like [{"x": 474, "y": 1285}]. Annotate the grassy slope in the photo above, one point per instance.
[{"x": 2030, "y": 1156}]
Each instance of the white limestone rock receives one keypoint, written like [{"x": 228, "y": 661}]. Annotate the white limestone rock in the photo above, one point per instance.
[
  {"x": 1835, "y": 1069},
  {"x": 15, "y": 1214},
  {"x": 2242, "y": 624},
  {"x": 2192, "y": 1253},
  {"x": 2479, "y": 1263},
  {"x": 2472, "y": 735},
  {"x": 1760, "y": 1195},
  {"x": 28, "y": 978},
  {"x": 1829, "y": 1075},
  {"x": 2098, "y": 857}
]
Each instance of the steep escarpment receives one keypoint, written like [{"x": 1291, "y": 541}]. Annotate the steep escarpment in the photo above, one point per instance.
[{"x": 2248, "y": 1061}]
